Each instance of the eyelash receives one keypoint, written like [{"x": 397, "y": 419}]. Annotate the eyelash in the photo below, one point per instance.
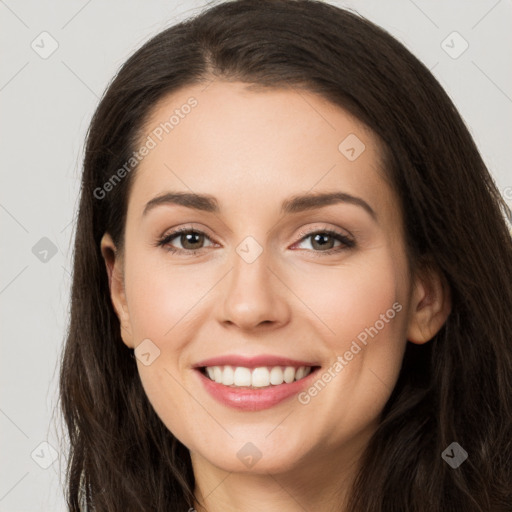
[{"x": 347, "y": 242}]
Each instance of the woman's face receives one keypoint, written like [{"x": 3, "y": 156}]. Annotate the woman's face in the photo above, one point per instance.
[{"x": 261, "y": 282}]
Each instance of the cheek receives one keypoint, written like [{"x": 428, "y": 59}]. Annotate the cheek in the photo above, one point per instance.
[
  {"x": 161, "y": 303},
  {"x": 362, "y": 318},
  {"x": 162, "y": 298},
  {"x": 347, "y": 299}
]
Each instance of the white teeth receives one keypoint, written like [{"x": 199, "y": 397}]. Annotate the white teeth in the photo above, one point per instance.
[
  {"x": 242, "y": 376},
  {"x": 217, "y": 374},
  {"x": 289, "y": 374},
  {"x": 260, "y": 377},
  {"x": 228, "y": 376},
  {"x": 257, "y": 377},
  {"x": 276, "y": 376}
]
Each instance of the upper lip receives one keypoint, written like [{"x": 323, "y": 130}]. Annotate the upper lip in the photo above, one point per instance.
[{"x": 252, "y": 362}]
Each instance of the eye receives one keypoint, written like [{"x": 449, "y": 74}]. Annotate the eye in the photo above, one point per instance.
[
  {"x": 324, "y": 239},
  {"x": 191, "y": 240}
]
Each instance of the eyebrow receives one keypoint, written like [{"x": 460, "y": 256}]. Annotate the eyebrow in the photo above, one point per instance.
[{"x": 294, "y": 204}]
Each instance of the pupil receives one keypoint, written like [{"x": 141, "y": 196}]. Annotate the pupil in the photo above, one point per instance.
[
  {"x": 189, "y": 241},
  {"x": 318, "y": 237}
]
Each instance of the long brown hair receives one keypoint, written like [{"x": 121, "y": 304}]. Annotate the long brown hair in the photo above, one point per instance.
[{"x": 456, "y": 388}]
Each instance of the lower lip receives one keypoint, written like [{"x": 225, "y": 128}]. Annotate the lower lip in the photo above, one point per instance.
[{"x": 254, "y": 399}]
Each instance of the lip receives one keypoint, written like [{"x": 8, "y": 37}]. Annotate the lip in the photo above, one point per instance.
[
  {"x": 253, "y": 362},
  {"x": 253, "y": 399}
]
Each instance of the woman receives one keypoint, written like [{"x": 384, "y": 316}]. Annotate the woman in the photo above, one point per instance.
[{"x": 292, "y": 279}]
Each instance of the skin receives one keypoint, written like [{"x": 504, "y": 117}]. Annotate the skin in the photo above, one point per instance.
[{"x": 252, "y": 149}]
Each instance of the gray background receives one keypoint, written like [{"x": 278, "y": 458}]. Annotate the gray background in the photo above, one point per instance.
[{"x": 47, "y": 104}]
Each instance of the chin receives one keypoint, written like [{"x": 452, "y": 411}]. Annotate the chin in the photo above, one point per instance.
[{"x": 254, "y": 458}]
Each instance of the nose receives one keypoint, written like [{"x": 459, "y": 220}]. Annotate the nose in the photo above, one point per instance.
[{"x": 254, "y": 295}]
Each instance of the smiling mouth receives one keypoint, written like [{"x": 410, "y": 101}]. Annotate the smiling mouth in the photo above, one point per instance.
[{"x": 255, "y": 378}]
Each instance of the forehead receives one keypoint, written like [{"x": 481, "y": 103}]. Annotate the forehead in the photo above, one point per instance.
[{"x": 255, "y": 146}]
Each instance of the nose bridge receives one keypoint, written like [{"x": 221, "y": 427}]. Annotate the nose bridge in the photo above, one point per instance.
[{"x": 254, "y": 295}]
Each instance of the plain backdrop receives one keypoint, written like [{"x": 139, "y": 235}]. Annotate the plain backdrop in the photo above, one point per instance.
[{"x": 47, "y": 101}]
